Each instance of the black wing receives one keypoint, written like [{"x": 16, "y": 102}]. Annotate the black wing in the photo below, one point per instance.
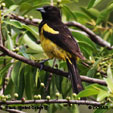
[{"x": 64, "y": 39}]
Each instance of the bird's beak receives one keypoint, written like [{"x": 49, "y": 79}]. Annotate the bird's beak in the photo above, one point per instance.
[{"x": 41, "y": 10}]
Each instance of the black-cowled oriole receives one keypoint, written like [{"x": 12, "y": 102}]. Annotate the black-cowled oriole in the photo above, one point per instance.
[{"x": 57, "y": 41}]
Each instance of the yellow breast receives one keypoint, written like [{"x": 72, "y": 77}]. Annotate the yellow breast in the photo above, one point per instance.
[{"x": 50, "y": 48}]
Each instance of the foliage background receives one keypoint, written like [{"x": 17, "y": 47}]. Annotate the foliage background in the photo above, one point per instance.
[{"x": 22, "y": 39}]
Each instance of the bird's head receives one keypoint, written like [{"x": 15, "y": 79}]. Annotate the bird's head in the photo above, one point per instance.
[{"x": 50, "y": 13}]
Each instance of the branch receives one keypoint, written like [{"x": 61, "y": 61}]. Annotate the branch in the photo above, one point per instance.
[
  {"x": 95, "y": 38},
  {"x": 31, "y": 62},
  {"x": 47, "y": 68},
  {"x": 12, "y": 110},
  {"x": 93, "y": 80},
  {"x": 34, "y": 22},
  {"x": 60, "y": 101}
]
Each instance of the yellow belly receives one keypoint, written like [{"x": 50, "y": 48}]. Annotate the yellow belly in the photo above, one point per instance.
[{"x": 52, "y": 50}]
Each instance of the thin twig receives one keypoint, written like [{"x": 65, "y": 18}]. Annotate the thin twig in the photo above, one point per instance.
[
  {"x": 47, "y": 68},
  {"x": 60, "y": 101},
  {"x": 85, "y": 64}
]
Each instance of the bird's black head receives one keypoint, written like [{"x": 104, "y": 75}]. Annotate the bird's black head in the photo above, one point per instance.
[{"x": 50, "y": 13}]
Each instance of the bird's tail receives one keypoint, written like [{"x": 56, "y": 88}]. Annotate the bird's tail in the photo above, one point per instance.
[{"x": 74, "y": 76}]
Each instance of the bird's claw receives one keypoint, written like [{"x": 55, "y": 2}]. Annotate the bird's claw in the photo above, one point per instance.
[{"x": 42, "y": 63}]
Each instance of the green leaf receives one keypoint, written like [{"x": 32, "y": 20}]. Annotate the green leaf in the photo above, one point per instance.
[
  {"x": 109, "y": 79},
  {"x": 75, "y": 0},
  {"x": 110, "y": 7},
  {"x": 3, "y": 71},
  {"x": 37, "y": 77},
  {"x": 87, "y": 46},
  {"x": 81, "y": 37},
  {"x": 14, "y": 74},
  {"x": 85, "y": 52},
  {"x": 18, "y": 79},
  {"x": 9, "y": 42},
  {"x": 67, "y": 9},
  {"x": 100, "y": 110},
  {"x": 109, "y": 82},
  {"x": 107, "y": 35},
  {"x": 109, "y": 72},
  {"x": 91, "y": 90},
  {"x": 97, "y": 2},
  {"x": 7, "y": 58},
  {"x": 93, "y": 69},
  {"x": 97, "y": 86},
  {"x": 58, "y": 82},
  {"x": 8, "y": 2},
  {"x": 14, "y": 23},
  {"x": 23, "y": 52},
  {"x": 28, "y": 82},
  {"x": 40, "y": 56},
  {"x": 91, "y": 3},
  {"x": 104, "y": 15},
  {"x": 65, "y": 88},
  {"x": 21, "y": 84},
  {"x": 25, "y": 6},
  {"x": 0, "y": 14},
  {"x": 36, "y": 35},
  {"x": 88, "y": 92},
  {"x": 102, "y": 95},
  {"x": 82, "y": 18},
  {"x": 40, "y": 4},
  {"x": 31, "y": 44},
  {"x": 52, "y": 108},
  {"x": 20, "y": 25},
  {"x": 12, "y": 8},
  {"x": 10, "y": 88},
  {"x": 92, "y": 13},
  {"x": 92, "y": 72}
]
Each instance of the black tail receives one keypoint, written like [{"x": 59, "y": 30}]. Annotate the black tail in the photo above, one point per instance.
[{"x": 74, "y": 76}]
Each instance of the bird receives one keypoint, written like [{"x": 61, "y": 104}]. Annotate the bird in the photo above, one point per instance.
[{"x": 57, "y": 42}]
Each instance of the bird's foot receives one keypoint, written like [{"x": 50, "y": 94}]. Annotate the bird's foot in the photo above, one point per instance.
[{"x": 42, "y": 63}]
